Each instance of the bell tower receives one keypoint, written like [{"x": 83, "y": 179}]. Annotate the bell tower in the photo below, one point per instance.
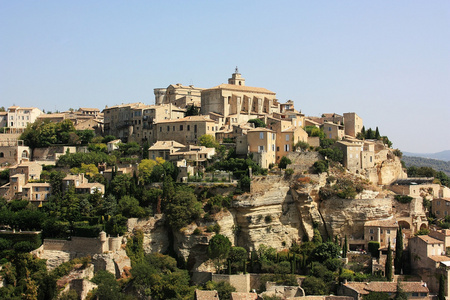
[{"x": 236, "y": 78}]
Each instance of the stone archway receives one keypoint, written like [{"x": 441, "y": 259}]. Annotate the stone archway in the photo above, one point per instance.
[
  {"x": 25, "y": 154},
  {"x": 404, "y": 225},
  {"x": 2, "y": 154},
  {"x": 423, "y": 226}
]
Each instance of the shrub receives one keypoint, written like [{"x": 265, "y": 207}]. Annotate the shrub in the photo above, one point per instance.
[
  {"x": 403, "y": 198},
  {"x": 289, "y": 172},
  {"x": 284, "y": 161},
  {"x": 320, "y": 166},
  {"x": 196, "y": 231},
  {"x": 373, "y": 247}
]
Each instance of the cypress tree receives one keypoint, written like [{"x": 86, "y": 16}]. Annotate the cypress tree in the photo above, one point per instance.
[
  {"x": 345, "y": 248},
  {"x": 377, "y": 134},
  {"x": 388, "y": 266},
  {"x": 398, "y": 261},
  {"x": 441, "y": 293}
]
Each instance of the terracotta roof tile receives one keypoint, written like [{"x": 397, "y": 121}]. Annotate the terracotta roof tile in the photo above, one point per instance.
[{"x": 241, "y": 88}]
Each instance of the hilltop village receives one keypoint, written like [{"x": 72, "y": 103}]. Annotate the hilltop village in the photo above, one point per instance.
[{"x": 214, "y": 193}]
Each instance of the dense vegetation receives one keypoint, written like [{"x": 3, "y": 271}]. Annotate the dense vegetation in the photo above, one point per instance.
[{"x": 418, "y": 162}]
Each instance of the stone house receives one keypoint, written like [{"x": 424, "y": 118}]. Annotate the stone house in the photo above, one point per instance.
[
  {"x": 440, "y": 207},
  {"x": 32, "y": 170},
  {"x": 333, "y": 130},
  {"x": 81, "y": 184},
  {"x": 12, "y": 150},
  {"x": 186, "y": 131},
  {"x": 36, "y": 192},
  {"x": 156, "y": 113},
  {"x": 333, "y": 118},
  {"x": 353, "y": 124},
  {"x": 118, "y": 120},
  {"x": 419, "y": 188},
  {"x": 358, "y": 154},
  {"x": 113, "y": 145},
  {"x": 381, "y": 231},
  {"x": 357, "y": 290},
  {"x": 427, "y": 257},
  {"x": 178, "y": 95},
  {"x": 164, "y": 149},
  {"x": 20, "y": 117},
  {"x": 193, "y": 154},
  {"x": 262, "y": 143},
  {"x": 3, "y": 119}
]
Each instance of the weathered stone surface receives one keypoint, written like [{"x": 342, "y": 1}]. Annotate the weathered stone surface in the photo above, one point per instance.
[{"x": 156, "y": 234}]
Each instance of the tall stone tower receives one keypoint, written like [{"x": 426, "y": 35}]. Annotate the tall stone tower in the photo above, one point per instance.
[{"x": 236, "y": 78}]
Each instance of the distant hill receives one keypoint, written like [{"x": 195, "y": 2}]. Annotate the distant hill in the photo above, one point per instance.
[
  {"x": 443, "y": 155},
  {"x": 438, "y": 165}
]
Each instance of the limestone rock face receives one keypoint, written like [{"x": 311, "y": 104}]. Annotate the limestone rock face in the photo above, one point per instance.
[
  {"x": 267, "y": 216},
  {"x": 113, "y": 262},
  {"x": 389, "y": 171},
  {"x": 156, "y": 235},
  {"x": 347, "y": 216}
]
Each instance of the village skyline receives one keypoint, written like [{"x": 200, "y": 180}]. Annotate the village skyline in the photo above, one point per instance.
[{"x": 386, "y": 61}]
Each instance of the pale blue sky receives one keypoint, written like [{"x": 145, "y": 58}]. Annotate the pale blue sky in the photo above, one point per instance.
[{"x": 389, "y": 61}]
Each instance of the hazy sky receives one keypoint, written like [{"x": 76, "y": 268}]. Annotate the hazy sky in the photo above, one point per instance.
[{"x": 388, "y": 61}]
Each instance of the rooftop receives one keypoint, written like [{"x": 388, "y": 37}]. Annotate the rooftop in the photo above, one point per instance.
[
  {"x": 387, "y": 287},
  {"x": 429, "y": 240},
  {"x": 241, "y": 88}
]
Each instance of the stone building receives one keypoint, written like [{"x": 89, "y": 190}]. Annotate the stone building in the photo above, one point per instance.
[
  {"x": 178, "y": 95},
  {"x": 13, "y": 151},
  {"x": 440, "y": 207},
  {"x": 333, "y": 131},
  {"x": 429, "y": 260},
  {"x": 381, "y": 231},
  {"x": 262, "y": 143},
  {"x": 237, "y": 102},
  {"x": 20, "y": 117},
  {"x": 186, "y": 131},
  {"x": 164, "y": 149},
  {"x": 353, "y": 124},
  {"x": 357, "y": 290}
]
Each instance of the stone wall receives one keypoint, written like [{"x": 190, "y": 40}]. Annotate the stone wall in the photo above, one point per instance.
[{"x": 240, "y": 282}]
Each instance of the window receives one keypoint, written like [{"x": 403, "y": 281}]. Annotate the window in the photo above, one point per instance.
[
  {"x": 287, "y": 137},
  {"x": 188, "y": 127},
  {"x": 261, "y": 135},
  {"x": 273, "y": 147},
  {"x": 329, "y": 128},
  {"x": 160, "y": 129},
  {"x": 260, "y": 149},
  {"x": 286, "y": 148},
  {"x": 381, "y": 230},
  {"x": 371, "y": 237},
  {"x": 370, "y": 230},
  {"x": 174, "y": 128},
  {"x": 181, "y": 127},
  {"x": 168, "y": 128}
]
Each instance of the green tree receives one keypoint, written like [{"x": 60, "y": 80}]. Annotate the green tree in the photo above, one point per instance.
[
  {"x": 208, "y": 141},
  {"x": 388, "y": 266},
  {"x": 183, "y": 209},
  {"x": 223, "y": 288},
  {"x": 158, "y": 277},
  {"x": 398, "y": 260},
  {"x": 218, "y": 249},
  {"x": 376, "y": 296},
  {"x": 377, "y": 134},
  {"x": 258, "y": 123},
  {"x": 192, "y": 110},
  {"x": 324, "y": 251},
  {"x": 314, "y": 286},
  {"x": 441, "y": 292},
  {"x": 284, "y": 161},
  {"x": 345, "y": 247},
  {"x": 108, "y": 287}
]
